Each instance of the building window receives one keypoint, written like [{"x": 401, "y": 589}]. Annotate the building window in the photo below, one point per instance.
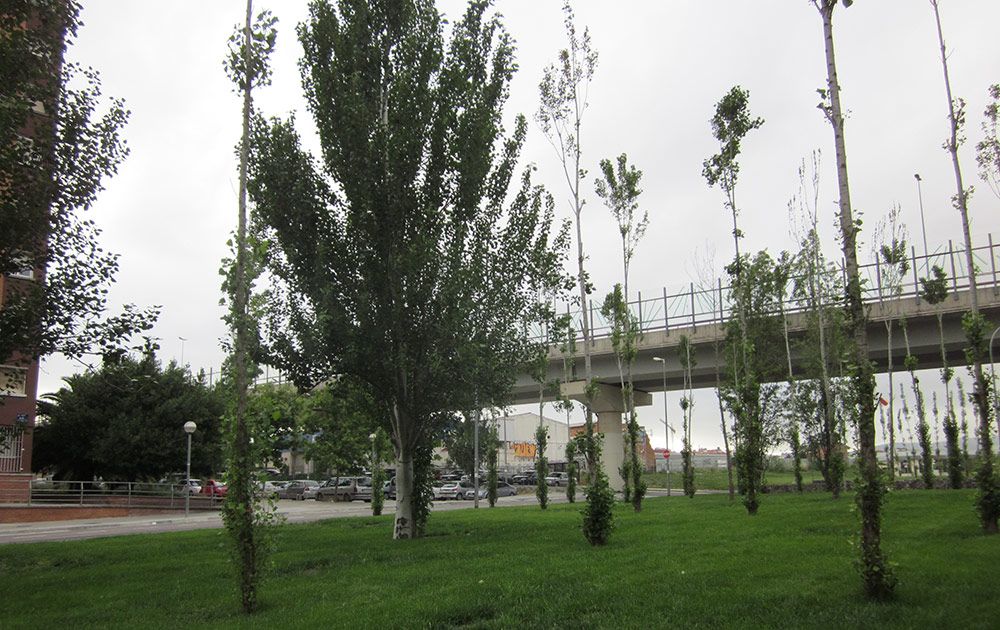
[
  {"x": 13, "y": 381},
  {"x": 11, "y": 444}
]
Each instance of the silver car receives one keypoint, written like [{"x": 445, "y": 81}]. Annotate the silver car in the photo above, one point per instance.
[
  {"x": 503, "y": 490},
  {"x": 295, "y": 489}
]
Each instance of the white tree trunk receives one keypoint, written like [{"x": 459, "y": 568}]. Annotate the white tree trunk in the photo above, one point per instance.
[{"x": 404, "y": 526}]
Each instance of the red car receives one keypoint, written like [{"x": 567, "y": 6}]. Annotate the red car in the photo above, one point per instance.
[{"x": 214, "y": 488}]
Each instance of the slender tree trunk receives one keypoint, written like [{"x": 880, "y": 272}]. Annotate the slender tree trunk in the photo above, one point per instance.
[
  {"x": 989, "y": 493},
  {"x": 722, "y": 421},
  {"x": 588, "y": 369},
  {"x": 831, "y": 472},
  {"x": 892, "y": 396},
  {"x": 241, "y": 499},
  {"x": 878, "y": 581}
]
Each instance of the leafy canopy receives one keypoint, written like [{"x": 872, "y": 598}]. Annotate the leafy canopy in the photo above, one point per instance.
[{"x": 59, "y": 142}]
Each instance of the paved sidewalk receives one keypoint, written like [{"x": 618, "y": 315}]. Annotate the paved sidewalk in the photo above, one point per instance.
[{"x": 293, "y": 511}]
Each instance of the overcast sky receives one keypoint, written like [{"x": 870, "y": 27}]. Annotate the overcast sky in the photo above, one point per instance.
[{"x": 663, "y": 65}]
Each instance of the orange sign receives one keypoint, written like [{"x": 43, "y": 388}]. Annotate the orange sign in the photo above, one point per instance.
[{"x": 525, "y": 449}]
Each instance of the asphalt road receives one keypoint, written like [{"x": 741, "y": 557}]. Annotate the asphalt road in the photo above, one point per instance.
[{"x": 293, "y": 511}]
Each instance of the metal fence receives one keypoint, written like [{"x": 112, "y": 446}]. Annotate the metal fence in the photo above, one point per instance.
[
  {"x": 697, "y": 305},
  {"x": 123, "y": 494}
]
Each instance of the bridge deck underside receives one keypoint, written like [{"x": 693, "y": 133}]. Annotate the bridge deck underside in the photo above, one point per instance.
[{"x": 648, "y": 374}]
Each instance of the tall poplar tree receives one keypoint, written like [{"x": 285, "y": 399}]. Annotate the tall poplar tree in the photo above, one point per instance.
[
  {"x": 400, "y": 255},
  {"x": 974, "y": 323},
  {"x": 246, "y": 65},
  {"x": 563, "y": 95},
  {"x": 731, "y": 123},
  {"x": 619, "y": 188},
  {"x": 877, "y": 577}
]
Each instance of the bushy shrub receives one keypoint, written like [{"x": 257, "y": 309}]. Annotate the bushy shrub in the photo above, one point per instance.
[
  {"x": 542, "y": 466},
  {"x": 598, "y": 515}
]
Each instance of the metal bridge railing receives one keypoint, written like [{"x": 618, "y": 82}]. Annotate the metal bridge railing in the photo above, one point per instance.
[
  {"x": 124, "y": 494},
  {"x": 699, "y": 305}
]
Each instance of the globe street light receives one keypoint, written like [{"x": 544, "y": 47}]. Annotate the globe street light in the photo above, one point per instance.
[
  {"x": 666, "y": 424},
  {"x": 189, "y": 428}
]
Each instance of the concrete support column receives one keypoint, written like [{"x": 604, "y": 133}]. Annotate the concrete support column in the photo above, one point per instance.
[
  {"x": 609, "y": 406},
  {"x": 609, "y": 425}
]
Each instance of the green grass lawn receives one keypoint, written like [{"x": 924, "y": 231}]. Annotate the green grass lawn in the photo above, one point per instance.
[
  {"x": 681, "y": 562},
  {"x": 715, "y": 479}
]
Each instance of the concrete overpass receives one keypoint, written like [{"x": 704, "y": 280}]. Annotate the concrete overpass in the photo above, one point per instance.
[
  {"x": 648, "y": 375},
  {"x": 701, "y": 313}
]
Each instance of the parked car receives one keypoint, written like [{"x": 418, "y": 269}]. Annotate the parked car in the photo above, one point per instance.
[
  {"x": 364, "y": 491},
  {"x": 526, "y": 478},
  {"x": 294, "y": 489},
  {"x": 389, "y": 489},
  {"x": 189, "y": 486},
  {"x": 346, "y": 489},
  {"x": 557, "y": 479},
  {"x": 451, "y": 490},
  {"x": 214, "y": 488},
  {"x": 272, "y": 488},
  {"x": 503, "y": 490},
  {"x": 311, "y": 491}
]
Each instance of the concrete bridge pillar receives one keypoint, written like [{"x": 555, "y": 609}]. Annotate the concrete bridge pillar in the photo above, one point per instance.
[{"x": 609, "y": 406}]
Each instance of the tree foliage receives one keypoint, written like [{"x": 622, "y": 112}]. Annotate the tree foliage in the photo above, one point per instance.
[
  {"x": 399, "y": 256},
  {"x": 755, "y": 364},
  {"x": 542, "y": 465},
  {"x": 619, "y": 188},
  {"x": 731, "y": 123},
  {"x": 988, "y": 149},
  {"x": 598, "y": 512},
  {"x": 341, "y": 417},
  {"x": 563, "y": 101},
  {"x": 60, "y": 140},
  {"x": 459, "y": 439},
  {"x": 124, "y": 421}
]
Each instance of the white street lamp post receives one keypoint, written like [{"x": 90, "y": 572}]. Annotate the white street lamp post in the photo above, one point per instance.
[
  {"x": 189, "y": 428},
  {"x": 666, "y": 422},
  {"x": 923, "y": 227}
]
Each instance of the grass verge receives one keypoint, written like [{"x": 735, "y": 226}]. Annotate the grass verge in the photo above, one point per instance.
[{"x": 698, "y": 562}]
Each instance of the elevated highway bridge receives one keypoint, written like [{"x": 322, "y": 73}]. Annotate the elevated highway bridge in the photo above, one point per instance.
[{"x": 700, "y": 313}]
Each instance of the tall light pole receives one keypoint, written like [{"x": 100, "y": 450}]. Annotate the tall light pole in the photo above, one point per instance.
[
  {"x": 182, "y": 350},
  {"x": 666, "y": 422},
  {"x": 189, "y": 428},
  {"x": 923, "y": 227}
]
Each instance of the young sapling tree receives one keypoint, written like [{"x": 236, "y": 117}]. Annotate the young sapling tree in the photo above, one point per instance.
[
  {"x": 877, "y": 577},
  {"x": 619, "y": 189},
  {"x": 974, "y": 324}
]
